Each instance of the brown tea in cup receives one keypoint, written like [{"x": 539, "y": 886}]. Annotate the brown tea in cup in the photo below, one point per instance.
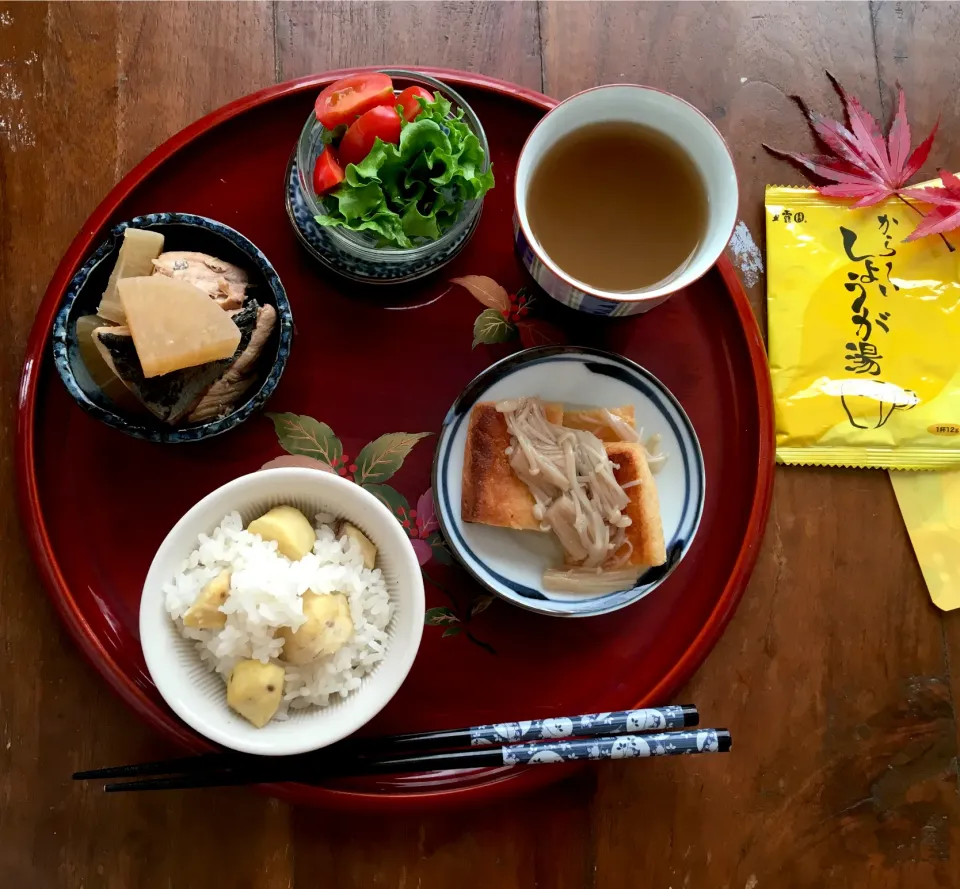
[{"x": 617, "y": 205}]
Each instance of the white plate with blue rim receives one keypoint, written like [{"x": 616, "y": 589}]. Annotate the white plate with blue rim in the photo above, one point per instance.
[{"x": 511, "y": 563}]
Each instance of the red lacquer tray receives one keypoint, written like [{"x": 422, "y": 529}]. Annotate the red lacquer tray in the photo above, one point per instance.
[{"x": 368, "y": 363}]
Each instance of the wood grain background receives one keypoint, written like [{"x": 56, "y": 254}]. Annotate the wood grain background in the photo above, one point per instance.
[{"x": 835, "y": 675}]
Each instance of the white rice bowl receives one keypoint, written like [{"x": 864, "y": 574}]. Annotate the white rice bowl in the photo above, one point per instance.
[
  {"x": 266, "y": 590},
  {"x": 387, "y": 606}
]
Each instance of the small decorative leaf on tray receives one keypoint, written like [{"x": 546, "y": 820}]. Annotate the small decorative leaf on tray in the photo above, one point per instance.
[
  {"x": 440, "y": 616},
  {"x": 423, "y": 550},
  {"x": 486, "y": 291},
  {"x": 451, "y": 631},
  {"x": 480, "y": 604},
  {"x": 426, "y": 515},
  {"x": 539, "y": 333},
  {"x": 304, "y": 436},
  {"x": 297, "y": 461},
  {"x": 391, "y": 498},
  {"x": 380, "y": 459},
  {"x": 440, "y": 551},
  {"x": 491, "y": 327}
]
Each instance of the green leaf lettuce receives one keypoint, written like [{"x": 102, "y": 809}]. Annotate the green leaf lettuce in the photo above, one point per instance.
[{"x": 417, "y": 189}]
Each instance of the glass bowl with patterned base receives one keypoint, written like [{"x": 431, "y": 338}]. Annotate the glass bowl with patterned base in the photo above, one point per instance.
[{"x": 356, "y": 255}]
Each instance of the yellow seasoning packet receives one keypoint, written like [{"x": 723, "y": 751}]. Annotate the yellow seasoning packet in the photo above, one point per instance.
[
  {"x": 864, "y": 335},
  {"x": 930, "y": 505}
]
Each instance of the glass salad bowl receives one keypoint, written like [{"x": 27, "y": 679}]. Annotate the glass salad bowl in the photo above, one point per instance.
[{"x": 361, "y": 256}]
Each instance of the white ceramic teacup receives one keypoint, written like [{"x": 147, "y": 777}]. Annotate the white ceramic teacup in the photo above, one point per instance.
[{"x": 658, "y": 110}]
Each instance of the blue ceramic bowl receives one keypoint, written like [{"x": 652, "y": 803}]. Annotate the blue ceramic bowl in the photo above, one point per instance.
[
  {"x": 182, "y": 231},
  {"x": 511, "y": 563}
]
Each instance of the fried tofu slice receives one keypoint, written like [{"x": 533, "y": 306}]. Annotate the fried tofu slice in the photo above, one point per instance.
[
  {"x": 645, "y": 532},
  {"x": 492, "y": 493},
  {"x": 594, "y": 420}
]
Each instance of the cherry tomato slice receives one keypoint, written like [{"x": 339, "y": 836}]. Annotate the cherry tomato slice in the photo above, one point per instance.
[
  {"x": 357, "y": 141},
  {"x": 345, "y": 100},
  {"x": 327, "y": 173},
  {"x": 408, "y": 100}
]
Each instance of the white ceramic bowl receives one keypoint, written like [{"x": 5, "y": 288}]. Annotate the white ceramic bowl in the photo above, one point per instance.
[
  {"x": 198, "y": 696},
  {"x": 661, "y": 111}
]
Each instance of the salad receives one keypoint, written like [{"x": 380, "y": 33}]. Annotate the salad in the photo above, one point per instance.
[{"x": 399, "y": 166}]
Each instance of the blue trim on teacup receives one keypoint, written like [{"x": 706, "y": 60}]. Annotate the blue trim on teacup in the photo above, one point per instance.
[
  {"x": 625, "y": 371},
  {"x": 66, "y": 351},
  {"x": 564, "y": 292}
]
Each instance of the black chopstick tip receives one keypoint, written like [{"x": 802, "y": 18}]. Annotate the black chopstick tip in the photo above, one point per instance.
[
  {"x": 724, "y": 740},
  {"x": 691, "y": 715}
]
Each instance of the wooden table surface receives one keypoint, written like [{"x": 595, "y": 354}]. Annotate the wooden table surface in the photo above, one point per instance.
[{"x": 837, "y": 675}]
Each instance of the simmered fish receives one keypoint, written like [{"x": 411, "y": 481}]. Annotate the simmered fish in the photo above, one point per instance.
[
  {"x": 171, "y": 396},
  {"x": 221, "y": 281},
  {"x": 225, "y": 393}
]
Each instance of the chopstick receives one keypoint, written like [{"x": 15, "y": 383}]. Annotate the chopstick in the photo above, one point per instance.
[
  {"x": 587, "y": 725},
  {"x": 677, "y": 743}
]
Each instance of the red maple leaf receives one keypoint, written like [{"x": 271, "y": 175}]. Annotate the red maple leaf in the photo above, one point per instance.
[
  {"x": 863, "y": 164},
  {"x": 945, "y": 214}
]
